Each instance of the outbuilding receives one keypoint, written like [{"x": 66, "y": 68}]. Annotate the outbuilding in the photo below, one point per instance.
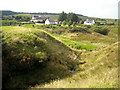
[{"x": 89, "y": 22}]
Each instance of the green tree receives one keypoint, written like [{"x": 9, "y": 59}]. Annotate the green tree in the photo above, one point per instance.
[
  {"x": 62, "y": 16},
  {"x": 72, "y": 17},
  {"x": 70, "y": 23},
  {"x": 74, "y": 24},
  {"x": 64, "y": 23}
]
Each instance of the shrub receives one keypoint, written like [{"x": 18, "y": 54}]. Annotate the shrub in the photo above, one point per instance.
[
  {"x": 101, "y": 30},
  {"x": 97, "y": 23},
  {"x": 110, "y": 23},
  {"x": 41, "y": 56},
  {"x": 64, "y": 22},
  {"x": 74, "y": 24},
  {"x": 70, "y": 23},
  {"x": 9, "y": 22},
  {"x": 78, "y": 29},
  {"x": 87, "y": 26}
]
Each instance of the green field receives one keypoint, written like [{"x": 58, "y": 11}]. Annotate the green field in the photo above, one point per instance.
[{"x": 59, "y": 56}]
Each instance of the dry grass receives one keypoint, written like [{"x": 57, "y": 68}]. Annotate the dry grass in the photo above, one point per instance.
[
  {"x": 101, "y": 72},
  {"x": 100, "y": 69}
]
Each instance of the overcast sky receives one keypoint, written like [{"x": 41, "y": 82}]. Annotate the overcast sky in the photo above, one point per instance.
[{"x": 92, "y": 8}]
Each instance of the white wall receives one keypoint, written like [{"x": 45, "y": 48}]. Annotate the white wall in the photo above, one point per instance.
[
  {"x": 48, "y": 22},
  {"x": 86, "y": 23}
]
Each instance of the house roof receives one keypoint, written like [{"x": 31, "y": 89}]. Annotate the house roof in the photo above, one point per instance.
[
  {"x": 39, "y": 18},
  {"x": 89, "y": 21},
  {"x": 51, "y": 20}
]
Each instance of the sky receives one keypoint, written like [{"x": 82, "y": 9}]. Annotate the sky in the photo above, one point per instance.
[{"x": 91, "y": 8}]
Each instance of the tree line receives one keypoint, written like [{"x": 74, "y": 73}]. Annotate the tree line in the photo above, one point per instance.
[
  {"x": 18, "y": 18},
  {"x": 68, "y": 19}
]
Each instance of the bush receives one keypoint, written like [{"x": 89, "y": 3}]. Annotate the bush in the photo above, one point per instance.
[
  {"x": 70, "y": 23},
  {"x": 9, "y": 22},
  {"x": 78, "y": 29},
  {"x": 111, "y": 23},
  {"x": 49, "y": 26},
  {"x": 97, "y": 23},
  {"x": 64, "y": 22},
  {"x": 101, "y": 30},
  {"x": 19, "y": 56}
]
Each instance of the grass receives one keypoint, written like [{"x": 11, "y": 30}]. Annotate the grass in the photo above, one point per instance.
[
  {"x": 100, "y": 72},
  {"x": 69, "y": 42},
  {"x": 24, "y": 15},
  {"x": 29, "y": 25},
  {"x": 101, "y": 65},
  {"x": 95, "y": 60},
  {"x": 75, "y": 44},
  {"x": 29, "y": 51},
  {"x": 96, "y": 38},
  {"x": 88, "y": 41}
]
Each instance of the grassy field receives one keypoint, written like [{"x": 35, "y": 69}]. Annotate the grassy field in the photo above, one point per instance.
[
  {"x": 67, "y": 41},
  {"x": 46, "y": 59},
  {"x": 99, "y": 67},
  {"x": 29, "y": 51},
  {"x": 99, "y": 71},
  {"x": 74, "y": 43}
]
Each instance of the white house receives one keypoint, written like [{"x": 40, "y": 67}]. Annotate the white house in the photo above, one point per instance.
[
  {"x": 89, "y": 22},
  {"x": 38, "y": 19},
  {"x": 50, "y": 21}
]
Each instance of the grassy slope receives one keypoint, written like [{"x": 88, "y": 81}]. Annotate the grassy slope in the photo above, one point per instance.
[
  {"x": 96, "y": 39},
  {"x": 100, "y": 71},
  {"x": 72, "y": 43},
  {"x": 101, "y": 67},
  {"x": 75, "y": 43},
  {"x": 35, "y": 44}
]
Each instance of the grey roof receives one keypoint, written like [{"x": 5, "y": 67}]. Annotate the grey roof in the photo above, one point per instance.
[
  {"x": 51, "y": 20},
  {"x": 39, "y": 17},
  {"x": 90, "y": 20}
]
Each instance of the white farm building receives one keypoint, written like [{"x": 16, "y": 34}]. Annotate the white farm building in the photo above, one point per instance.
[
  {"x": 38, "y": 19},
  {"x": 50, "y": 21},
  {"x": 43, "y": 20},
  {"x": 89, "y": 22}
]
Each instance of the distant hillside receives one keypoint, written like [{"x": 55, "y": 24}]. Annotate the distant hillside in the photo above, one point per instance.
[{"x": 8, "y": 12}]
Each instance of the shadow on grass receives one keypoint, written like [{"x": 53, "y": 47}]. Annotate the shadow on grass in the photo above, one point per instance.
[
  {"x": 36, "y": 58},
  {"x": 44, "y": 73}
]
